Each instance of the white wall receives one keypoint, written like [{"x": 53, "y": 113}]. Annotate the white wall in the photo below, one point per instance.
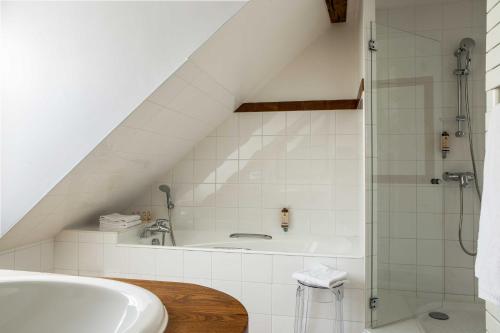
[
  {"x": 37, "y": 257},
  {"x": 74, "y": 71},
  {"x": 250, "y": 48},
  {"x": 242, "y": 175},
  {"x": 327, "y": 69}
]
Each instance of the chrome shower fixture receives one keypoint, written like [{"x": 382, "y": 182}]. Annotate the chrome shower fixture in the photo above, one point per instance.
[
  {"x": 166, "y": 189},
  {"x": 464, "y": 178},
  {"x": 463, "y": 55},
  {"x": 170, "y": 205}
]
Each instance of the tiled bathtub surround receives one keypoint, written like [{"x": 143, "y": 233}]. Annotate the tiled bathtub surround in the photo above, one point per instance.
[
  {"x": 37, "y": 257},
  {"x": 262, "y": 282},
  {"x": 239, "y": 177}
]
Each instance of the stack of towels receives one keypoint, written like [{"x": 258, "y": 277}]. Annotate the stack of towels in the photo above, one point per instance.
[
  {"x": 321, "y": 276},
  {"x": 118, "y": 221}
]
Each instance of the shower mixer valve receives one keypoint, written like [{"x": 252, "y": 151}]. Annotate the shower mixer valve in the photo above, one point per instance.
[{"x": 465, "y": 178}]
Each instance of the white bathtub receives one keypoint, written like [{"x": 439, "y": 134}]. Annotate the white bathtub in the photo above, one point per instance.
[
  {"x": 37, "y": 302},
  {"x": 289, "y": 244}
]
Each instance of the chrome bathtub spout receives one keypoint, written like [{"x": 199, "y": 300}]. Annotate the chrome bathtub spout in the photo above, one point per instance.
[{"x": 162, "y": 226}]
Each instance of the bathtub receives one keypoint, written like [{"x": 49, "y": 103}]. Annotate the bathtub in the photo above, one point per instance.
[
  {"x": 41, "y": 302},
  {"x": 287, "y": 244}
]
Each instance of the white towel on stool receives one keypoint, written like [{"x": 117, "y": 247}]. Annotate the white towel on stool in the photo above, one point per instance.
[
  {"x": 488, "y": 252},
  {"x": 321, "y": 275}
]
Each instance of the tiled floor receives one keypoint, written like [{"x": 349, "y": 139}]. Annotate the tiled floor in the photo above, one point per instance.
[{"x": 464, "y": 318}]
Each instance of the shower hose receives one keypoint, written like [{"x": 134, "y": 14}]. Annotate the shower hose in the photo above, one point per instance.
[{"x": 474, "y": 167}]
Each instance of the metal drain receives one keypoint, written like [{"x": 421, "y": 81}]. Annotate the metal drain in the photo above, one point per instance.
[{"x": 439, "y": 315}]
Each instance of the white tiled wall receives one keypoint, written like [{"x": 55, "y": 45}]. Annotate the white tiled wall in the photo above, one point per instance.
[
  {"x": 239, "y": 177},
  {"x": 261, "y": 282},
  {"x": 417, "y": 223},
  {"x": 37, "y": 257}
]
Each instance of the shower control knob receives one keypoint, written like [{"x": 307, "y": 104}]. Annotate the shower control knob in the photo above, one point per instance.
[{"x": 435, "y": 181}]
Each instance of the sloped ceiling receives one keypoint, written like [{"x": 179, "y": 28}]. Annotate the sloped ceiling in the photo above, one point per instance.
[
  {"x": 229, "y": 68},
  {"x": 74, "y": 71}
]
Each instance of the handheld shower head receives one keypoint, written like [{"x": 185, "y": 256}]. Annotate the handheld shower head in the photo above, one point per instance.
[
  {"x": 166, "y": 189},
  {"x": 463, "y": 54},
  {"x": 467, "y": 43}
]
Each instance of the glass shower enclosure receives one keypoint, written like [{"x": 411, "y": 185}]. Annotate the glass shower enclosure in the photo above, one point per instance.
[{"x": 413, "y": 212}]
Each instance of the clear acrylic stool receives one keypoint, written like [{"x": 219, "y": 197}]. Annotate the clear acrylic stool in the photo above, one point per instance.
[{"x": 302, "y": 306}]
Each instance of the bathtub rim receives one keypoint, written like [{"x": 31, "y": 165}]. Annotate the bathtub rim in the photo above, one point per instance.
[{"x": 242, "y": 251}]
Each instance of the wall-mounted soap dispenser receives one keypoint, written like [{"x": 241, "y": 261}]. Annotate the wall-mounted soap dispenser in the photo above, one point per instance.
[
  {"x": 284, "y": 219},
  {"x": 445, "y": 144}
]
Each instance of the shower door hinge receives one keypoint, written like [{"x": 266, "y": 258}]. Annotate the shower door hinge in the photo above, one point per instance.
[
  {"x": 372, "y": 46},
  {"x": 374, "y": 302}
]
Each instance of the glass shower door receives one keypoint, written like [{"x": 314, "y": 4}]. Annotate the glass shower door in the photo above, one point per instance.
[{"x": 406, "y": 209}]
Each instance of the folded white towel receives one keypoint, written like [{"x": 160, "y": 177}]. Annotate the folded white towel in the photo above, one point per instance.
[
  {"x": 488, "y": 252},
  {"x": 321, "y": 276},
  {"x": 115, "y": 217},
  {"x": 118, "y": 225}
]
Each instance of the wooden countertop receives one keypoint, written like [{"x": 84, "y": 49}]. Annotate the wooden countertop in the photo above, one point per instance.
[{"x": 197, "y": 309}]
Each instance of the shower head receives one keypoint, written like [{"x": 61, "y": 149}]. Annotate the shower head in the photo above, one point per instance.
[
  {"x": 467, "y": 43},
  {"x": 166, "y": 189},
  {"x": 463, "y": 54}
]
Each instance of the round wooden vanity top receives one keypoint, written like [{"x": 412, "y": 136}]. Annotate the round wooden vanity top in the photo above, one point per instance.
[{"x": 196, "y": 309}]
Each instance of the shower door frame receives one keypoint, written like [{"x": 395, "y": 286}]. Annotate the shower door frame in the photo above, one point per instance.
[{"x": 427, "y": 83}]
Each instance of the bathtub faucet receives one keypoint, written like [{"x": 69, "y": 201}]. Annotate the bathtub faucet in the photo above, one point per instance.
[{"x": 160, "y": 225}]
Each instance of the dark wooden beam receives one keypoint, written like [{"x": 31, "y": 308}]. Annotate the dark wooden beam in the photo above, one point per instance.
[
  {"x": 337, "y": 104},
  {"x": 337, "y": 9},
  {"x": 361, "y": 90},
  {"x": 317, "y": 105}
]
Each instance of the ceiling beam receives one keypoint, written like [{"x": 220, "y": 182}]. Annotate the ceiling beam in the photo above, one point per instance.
[
  {"x": 337, "y": 104},
  {"x": 337, "y": 9},
  {"x": 315, "y": 105}
]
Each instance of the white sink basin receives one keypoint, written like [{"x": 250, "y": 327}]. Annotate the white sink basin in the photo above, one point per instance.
[{"x": 51, "y": 303}]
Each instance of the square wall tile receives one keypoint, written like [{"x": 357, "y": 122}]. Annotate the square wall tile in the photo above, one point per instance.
[
  {"x": 90, "y": 257},
  {"x": 285, "y": 266},
  {"x": 256, "y": 297},
  {"x": 197, "y": 264},
  {"x": 257, "y": 267},
  {"x": 283, "y": 299},
  {"x": 115, "y": 259},
  {"x": 142, "y": 261},
  {"x": 226, "y": 266},
  {"x": 430, "y": 279},
  {"x": 47, "y": 256},
  {"x": 232, "y": 288},
  {"x": 403, "y": 251},
  {"x": 90, "y": 237},
  {"x": 169, "y": 262},
  {"x": 430, "y": 252},
  {"x": 459, "y": 281},
  {"x": 7, "y": 260},
  {"x": 66, "y": 255},
  {"x": 28, "y": 258},
  {"x": 274, "y": 123}
]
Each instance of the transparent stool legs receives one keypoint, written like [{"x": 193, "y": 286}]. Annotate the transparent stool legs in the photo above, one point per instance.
[
  {"x": 338, "y": 292},
  {"x": 302, "y": 308}
]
